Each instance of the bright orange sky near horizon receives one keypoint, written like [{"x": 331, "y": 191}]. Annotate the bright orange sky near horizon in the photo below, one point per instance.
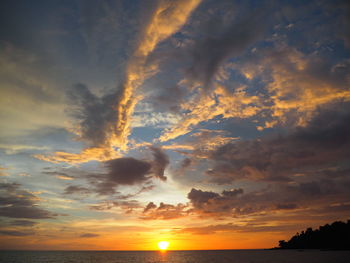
[{"x": 210, "y": 124}]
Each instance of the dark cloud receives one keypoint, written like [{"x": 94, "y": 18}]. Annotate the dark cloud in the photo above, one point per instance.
[
  {"x": 199, "y": 197},
  {"x": 23, "y": 223},
  {"x": 212, "y": 229},
  {"x": 102, "y": 28},
  {"x": 164, "y": 211},
  {"x": 341, "y": 20},
  {"x": 124, "y": 171},
  {"x": 18, "y": 211},
  {"x": 161, "y": 161},
  {"x": 127, "y": 171},
  {"x": 286, "y": 206},
  {"x": 127, "y": 206},
  {"x": 87, "y": 235},
  {"x": 110, "y": 46},
  {"x": 323, "y": 143},
  {"x": 149, "y": 206},
  {"x": 214, "y": 203},
  {"x": 94, "y": 114},
  {"x": 120, "y": 171},
  {"x": 209, "y": 39},
  {"x": 15, "y": 233},
  {"x": 300, "y": 196},
  {"x": 232, "y": 193},
  {"x": 224, "y": 36},
  {"x": 145, "y": 188},
  {"x": 18, "y": 203},
  {"x": 104, "y": 120},
  {"x": 74, "y": 189},
  {"x": 186, "y": 163}
]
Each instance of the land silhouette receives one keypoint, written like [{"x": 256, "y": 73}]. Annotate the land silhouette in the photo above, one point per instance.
[{"x": 330, "y": 236}]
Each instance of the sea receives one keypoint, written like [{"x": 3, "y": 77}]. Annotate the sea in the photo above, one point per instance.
[{"x": 197, "y": 256}]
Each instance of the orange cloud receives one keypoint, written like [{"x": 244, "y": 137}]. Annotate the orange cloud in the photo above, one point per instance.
[
  {"x": 300, "y": 84},
  {"x": 219, "y": 103},
  {"x": 168, "y": 18},
  {"x": 89, "y": 154}
]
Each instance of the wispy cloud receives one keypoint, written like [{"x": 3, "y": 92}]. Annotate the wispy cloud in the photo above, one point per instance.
[
  {"x": 107, "y": 126},
  {"x": 18, "y": 203}
]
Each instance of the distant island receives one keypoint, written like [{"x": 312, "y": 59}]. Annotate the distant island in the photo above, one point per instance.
[{"x": 335, "y": 236}]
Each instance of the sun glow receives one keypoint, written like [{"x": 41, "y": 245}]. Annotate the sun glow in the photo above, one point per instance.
[{"x": 163, "y": 245}]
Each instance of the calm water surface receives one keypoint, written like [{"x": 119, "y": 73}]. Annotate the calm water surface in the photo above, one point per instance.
[{"x": 234, "y": 256}]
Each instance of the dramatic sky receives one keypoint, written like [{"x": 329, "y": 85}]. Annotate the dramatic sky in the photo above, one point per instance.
[{"x": 124, "y": 123}]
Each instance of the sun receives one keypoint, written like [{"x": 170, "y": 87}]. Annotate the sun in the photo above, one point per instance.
[{"x": 163, "y": 245}]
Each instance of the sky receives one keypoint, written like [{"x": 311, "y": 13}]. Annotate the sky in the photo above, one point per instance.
[{"x": 124, "y": 123}]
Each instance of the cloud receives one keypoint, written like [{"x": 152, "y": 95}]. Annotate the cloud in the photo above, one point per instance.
[
  {"x": 60, "y": 175},
  {"x": 322, "y": 144},
  {"x": 2, "y": 173},
  {"x": 168, "y": 17},
  {"x": 131, "y": 171},
  {"x": 185, "y": 163},
  {"x": 204, "y": 96},
  {"x": 149, "y": 206},
  {"x": 225, "y": 36},
  {"x": 88, "y": 235},
  {"x": 298, "y": 83},
  {"x": 16, "y": 148},
  {"x": 200, "y": 143},
  {"x": 209, "y": 230},
  {"x": 163, "y": 211},
  {"x": 127, "y": 171},
  {"x": 199, "y": 197},
  {"x": 286, "y": 206},
  {"x": 26, "y": 81},
  {"x": 18, "y": 203},
  {"x": 297, "y": 198},
  {"x": 246, "y": 228},
  {"x": 91, "y": 112},
  {"x": 119, "y": 172},
  {"x": 74, "y": 189},
  {"x": 153, "y": 119},
  {"x": 342, "y": 20},
  {"x": 86, "y": 155},
  {"x": 102, "y": 29},
  {"x": 126, "y": 206},
  {"x": 23, "y": 223},
  {"x": 105, "y": 122},
  {"x": 230, "y": 202},
  {"x": 161, "y": 161},
  {"x": 147, "y": 187},
  {"x": 204, "y": 46},
  {"x": 232, "y": 193},
  {"x": 293, "y": 84},
  {"x": 15, "y": 233},
  {"x": 221, "y": 102}
]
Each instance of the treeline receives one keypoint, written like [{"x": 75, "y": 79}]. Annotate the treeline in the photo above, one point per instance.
[{"x": 333, "y": 236}]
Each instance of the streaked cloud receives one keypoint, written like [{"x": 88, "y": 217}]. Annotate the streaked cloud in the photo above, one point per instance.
[
  {"x": 114, "y": 121},
  {"x": 18, "y": 203}
]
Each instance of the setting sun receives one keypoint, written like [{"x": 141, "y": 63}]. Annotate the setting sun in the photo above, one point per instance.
[{"x": 163, "y": 245}]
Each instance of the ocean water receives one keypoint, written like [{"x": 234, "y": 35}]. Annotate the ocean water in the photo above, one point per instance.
[{"x": 204, "y": 256}]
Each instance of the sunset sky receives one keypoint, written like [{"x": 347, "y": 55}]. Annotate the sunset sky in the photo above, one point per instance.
[{"x": 209, "y": 124}]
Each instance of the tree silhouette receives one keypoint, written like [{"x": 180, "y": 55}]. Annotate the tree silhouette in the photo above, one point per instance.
[{"x": 334, "y": 236}]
